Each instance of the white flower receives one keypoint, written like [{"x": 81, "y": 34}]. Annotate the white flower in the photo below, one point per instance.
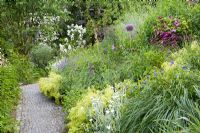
[
  {"x": 112, "y": 111},
  {"x": 66, "y": 39},
  {"x": 84, "y": 42},
  {"x": 107, "y": 111},
  {"x": 76, "y": 26},
  {"x": 108, "y": 127},
  {"x": 90, "y": 120},
  {"x": 84, "y": 30},
  {"x": 69, "y": 47}
]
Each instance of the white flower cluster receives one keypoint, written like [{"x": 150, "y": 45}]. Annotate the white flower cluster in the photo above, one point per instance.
[
  {"x": 48, "y": 34},
  {"x": 3, "y": 60},
  {"x": 75, "y": 39},
  {"x": 106, "y": 119}
]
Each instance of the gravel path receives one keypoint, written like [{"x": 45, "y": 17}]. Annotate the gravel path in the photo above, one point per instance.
[{"x": 38, "y": 114}]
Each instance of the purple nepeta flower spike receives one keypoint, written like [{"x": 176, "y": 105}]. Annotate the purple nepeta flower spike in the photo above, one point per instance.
[{"x": 129, "y": 27}]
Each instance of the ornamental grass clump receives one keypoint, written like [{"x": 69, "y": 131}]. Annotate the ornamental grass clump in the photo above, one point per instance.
[
  {"x": 169, "y": 98},
  {"x": 170, "y": 31}
]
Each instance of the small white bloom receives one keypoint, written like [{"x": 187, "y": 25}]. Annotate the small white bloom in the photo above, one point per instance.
[
  {"x": 84, "y": 30},
  {"x": 84, "y": 42},
  {"x": 112, "y": 111},
  {"x": 66, "y": 39},
  {"x": 107, "y": 111},
  {"x": 69, "y": 47},
  {"x": 108, "y": 127},
  {"x": 90, "y": 120}
]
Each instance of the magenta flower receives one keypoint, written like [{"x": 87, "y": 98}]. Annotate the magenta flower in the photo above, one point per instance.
[
  {"x": 177, "y": 23},
  {"x": 129, "y": 27},
  {"x": 174, "y": 30}
]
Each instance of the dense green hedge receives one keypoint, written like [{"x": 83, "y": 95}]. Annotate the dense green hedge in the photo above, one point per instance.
[{"x": 9, "y": 95}]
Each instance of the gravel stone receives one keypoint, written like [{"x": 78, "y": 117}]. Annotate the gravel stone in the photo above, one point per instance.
[{"x": 38, "y": 114}]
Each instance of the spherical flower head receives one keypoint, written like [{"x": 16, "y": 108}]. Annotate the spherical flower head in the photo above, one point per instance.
[{"x": 129, "y": 27}]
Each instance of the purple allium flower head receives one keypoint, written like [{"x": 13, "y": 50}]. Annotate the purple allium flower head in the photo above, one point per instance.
[
  {"x": 129, "y": 27},
  {"x": 177, "y": 23}
]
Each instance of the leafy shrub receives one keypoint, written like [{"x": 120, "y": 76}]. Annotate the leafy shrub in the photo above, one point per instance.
[
  {"x": 166, "y": 97},
  {"x": 71, "y": 97},
  {"x": 95, "y": 15},
  {"x": 41, "y": 55},
  {"x": 99, "y": 110},
  {"x": 50, "y": 86},
  {"x": 164, "y": 8},
  {"x": 26, "y": 71},
  {"x": 170, "y": 31},
  {"x": 9, "y": 95}
]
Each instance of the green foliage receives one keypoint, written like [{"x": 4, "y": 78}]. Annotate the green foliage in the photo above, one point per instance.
[
  {"x": 95, "y": 15},
  {"x": 9, "y": 95},
  {"x": 167, "y": 97},
  {"x": 17, "y": 20},
  {"x": 195, "y": 20},
  {"x": 170, "y": 31},
  {"x": 50, "y": 86},
  {"x": 71, "y": 97},
  {"x": 41, "y": 55},
  {"x": 99, "y": 111},
  {"x": 26, "y": 71},
  {"x": 78, "y": 114},
  {"x": 93, "y": 67}
]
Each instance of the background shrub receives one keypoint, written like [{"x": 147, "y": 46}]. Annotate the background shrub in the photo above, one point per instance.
[{"x": 41, "y": 55}]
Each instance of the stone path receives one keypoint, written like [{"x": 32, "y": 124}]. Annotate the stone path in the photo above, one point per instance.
[{"x": 38, "y": 114}]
